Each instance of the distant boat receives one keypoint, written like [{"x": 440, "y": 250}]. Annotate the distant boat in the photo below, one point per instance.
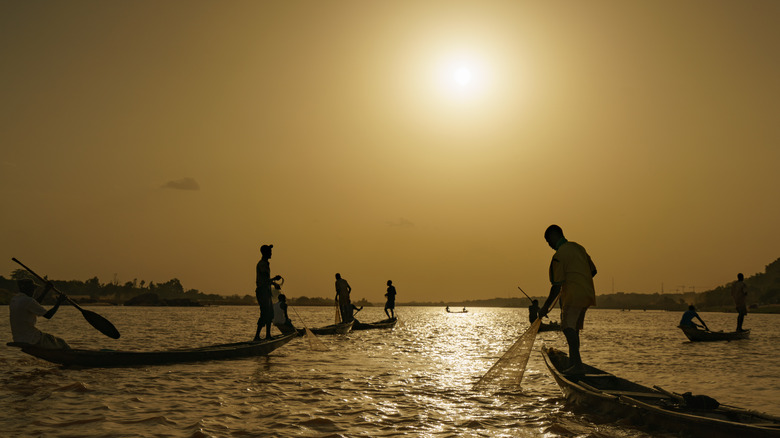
[
  {"x": 457, "y": 311},
  {"x": 604, "y": 394},
  {"x": 552, "y": 326},
  {"x": 119, "y": 358},
  {"x": 696, "y": 334},
  {"x": 384, "y": 324}
]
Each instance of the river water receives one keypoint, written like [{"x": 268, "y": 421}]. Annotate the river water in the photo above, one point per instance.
[{"x": 413, "y": 380}]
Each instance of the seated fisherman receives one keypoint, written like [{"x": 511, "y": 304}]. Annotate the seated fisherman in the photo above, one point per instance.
[
  {"x": 687, "y": 318},
  {"x": 281, "y": 320},
  {"x": 533, "y": 311},
  {"x": 24, "y": 312}
]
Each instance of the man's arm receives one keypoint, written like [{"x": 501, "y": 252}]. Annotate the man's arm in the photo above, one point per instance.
[
  {"x": 53, "y": 310},
  {"x": 555, "y": 290}
]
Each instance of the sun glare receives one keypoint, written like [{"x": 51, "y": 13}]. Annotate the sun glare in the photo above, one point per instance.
[{"x": 462, "y": 76}]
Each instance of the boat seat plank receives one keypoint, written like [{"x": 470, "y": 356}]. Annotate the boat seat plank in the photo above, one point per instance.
[{"x": 598, "y": 375}]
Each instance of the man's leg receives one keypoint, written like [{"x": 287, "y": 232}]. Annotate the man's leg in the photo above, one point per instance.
[
  {"x": 573, "y": 339},
  {"x": 740, "y": 319},
  {"x": 259, "y": 326}
]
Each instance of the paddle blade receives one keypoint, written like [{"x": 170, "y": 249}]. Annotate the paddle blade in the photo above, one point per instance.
[
  {"x": 507, "y": 372},
  {"x": 314, "y": 342},
  {"x": 100, "y": 323}
]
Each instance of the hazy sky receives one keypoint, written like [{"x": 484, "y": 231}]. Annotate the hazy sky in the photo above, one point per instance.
[{"x": 427, "y": 142}]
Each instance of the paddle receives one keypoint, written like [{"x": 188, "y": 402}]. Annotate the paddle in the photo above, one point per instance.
[
  {"x": 102, "y": 324},
  {"x": 526, "y": 295}
]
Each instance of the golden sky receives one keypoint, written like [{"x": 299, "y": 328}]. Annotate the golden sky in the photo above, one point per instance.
[{"x": 427, "y": 142}]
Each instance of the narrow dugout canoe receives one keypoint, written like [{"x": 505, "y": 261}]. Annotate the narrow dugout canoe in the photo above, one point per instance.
[
  {"x": 341, "y": 328},
  {"x": 384, "y": 324},
  {"x": 118, "y": 358},
  {"x": 696, "y": 334},
  {"x": 600, "y": 393}
]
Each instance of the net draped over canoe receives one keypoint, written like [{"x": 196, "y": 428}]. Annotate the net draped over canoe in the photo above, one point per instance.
[{"x": 507, "y": 372}]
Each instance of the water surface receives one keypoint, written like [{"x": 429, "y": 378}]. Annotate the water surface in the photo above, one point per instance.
[{"x": 415, "y": 379}]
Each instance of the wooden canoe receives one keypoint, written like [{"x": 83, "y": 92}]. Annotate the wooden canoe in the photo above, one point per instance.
[
  {"x": 119, "y": 358},
  {"x": 384, "y": 324},
  {"x": 600, "y": 393},
  {"x": 341, "y": 328},
  {"x": 696, "y": 334}
]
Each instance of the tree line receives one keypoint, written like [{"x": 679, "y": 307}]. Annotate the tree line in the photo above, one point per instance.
[{"x": 763, "y": 295}]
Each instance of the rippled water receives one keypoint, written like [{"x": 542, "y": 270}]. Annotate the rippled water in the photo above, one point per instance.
[{"x": 414, "y": 379}]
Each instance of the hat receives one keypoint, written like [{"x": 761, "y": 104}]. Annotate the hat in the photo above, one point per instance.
[{"x": 265, "y": 248}]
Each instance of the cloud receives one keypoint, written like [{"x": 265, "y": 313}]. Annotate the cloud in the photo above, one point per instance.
[
  {"x": 182, "y": 184},
  {"x": 401, "y": 223}
]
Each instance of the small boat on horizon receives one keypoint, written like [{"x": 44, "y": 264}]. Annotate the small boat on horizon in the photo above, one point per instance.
[
  {"x": 695, "y": 334},
  {"x": 552, "y": 326},
  {"x": 456, "y": 311},
  {"x": 600, "y": 393}
]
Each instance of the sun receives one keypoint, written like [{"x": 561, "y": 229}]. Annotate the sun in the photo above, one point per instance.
[{"x": 462, "y": 76}]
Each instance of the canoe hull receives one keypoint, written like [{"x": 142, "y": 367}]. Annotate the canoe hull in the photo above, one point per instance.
[
  {"x": 695, "y": 334},
  {"x": 341, "y": 328},
  {"x": 384, "y": 324},
  {"x": 604, "y": 394},
  {"x": 115, "y": 358}
]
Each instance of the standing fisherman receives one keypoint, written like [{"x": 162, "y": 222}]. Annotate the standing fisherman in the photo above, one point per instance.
[
  {"x": 390, "y": 304},
  {"x": 739, "y": 293},
  {"x": 263, "y": 292},
  {"x": 343, "y": 290},
  {"x": 571, "y": 275}
]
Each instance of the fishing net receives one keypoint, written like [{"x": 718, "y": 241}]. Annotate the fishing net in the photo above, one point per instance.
[
  {"x": 507, "y": 372},
  {"x": 315, "y": 343}
]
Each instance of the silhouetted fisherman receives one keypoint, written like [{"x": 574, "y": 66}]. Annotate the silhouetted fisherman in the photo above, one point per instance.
[
  {"x": 263, "y": 292},
  {"x": 343, "y": 290},
  {"x": 739, "y": 293},
  {"x": 281, "y": 319},
  {"x": 24, "y": 311},
  {"x": 533, "y": 311},
  {"x": 571, "y": 275},
  {"x": 687, "y": 318},
  {"x": 390, "y": 304}
]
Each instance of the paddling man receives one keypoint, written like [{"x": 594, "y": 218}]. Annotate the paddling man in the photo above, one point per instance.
[
  {"x": 343, "y": 290},
  {"x": 687, "y": 318},
  {"x": 571, "y": 275},
  {"x": 24, "y": 312},
  {"x": 390, "y": 304},
  {"x": 533, "y": 311},
  {"x": 263, "y": 292},
  {"x": 739, "y": 293}
]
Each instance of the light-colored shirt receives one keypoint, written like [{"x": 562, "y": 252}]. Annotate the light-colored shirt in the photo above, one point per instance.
[
  {"x": 572, "y": 269},
  {"x": 279, "y": 315},
  {"x": 24, "y": 313},
  {"x": 739, "y": 292}
]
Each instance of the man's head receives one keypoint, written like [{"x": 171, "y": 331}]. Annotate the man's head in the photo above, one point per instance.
[
  {"x": 740, "y": 277},
  {"x": 552, "y": 235},
  {"x": 265, "y": 251},
  {"x": 26, "y": 286},
  {"x": 389, "y": 282},
  {"x": 282, "y": 298},
  {"x": 692, "y": 308},
  {"x": 535, "y": 302},
  {"x": 338, "y": 276}
]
